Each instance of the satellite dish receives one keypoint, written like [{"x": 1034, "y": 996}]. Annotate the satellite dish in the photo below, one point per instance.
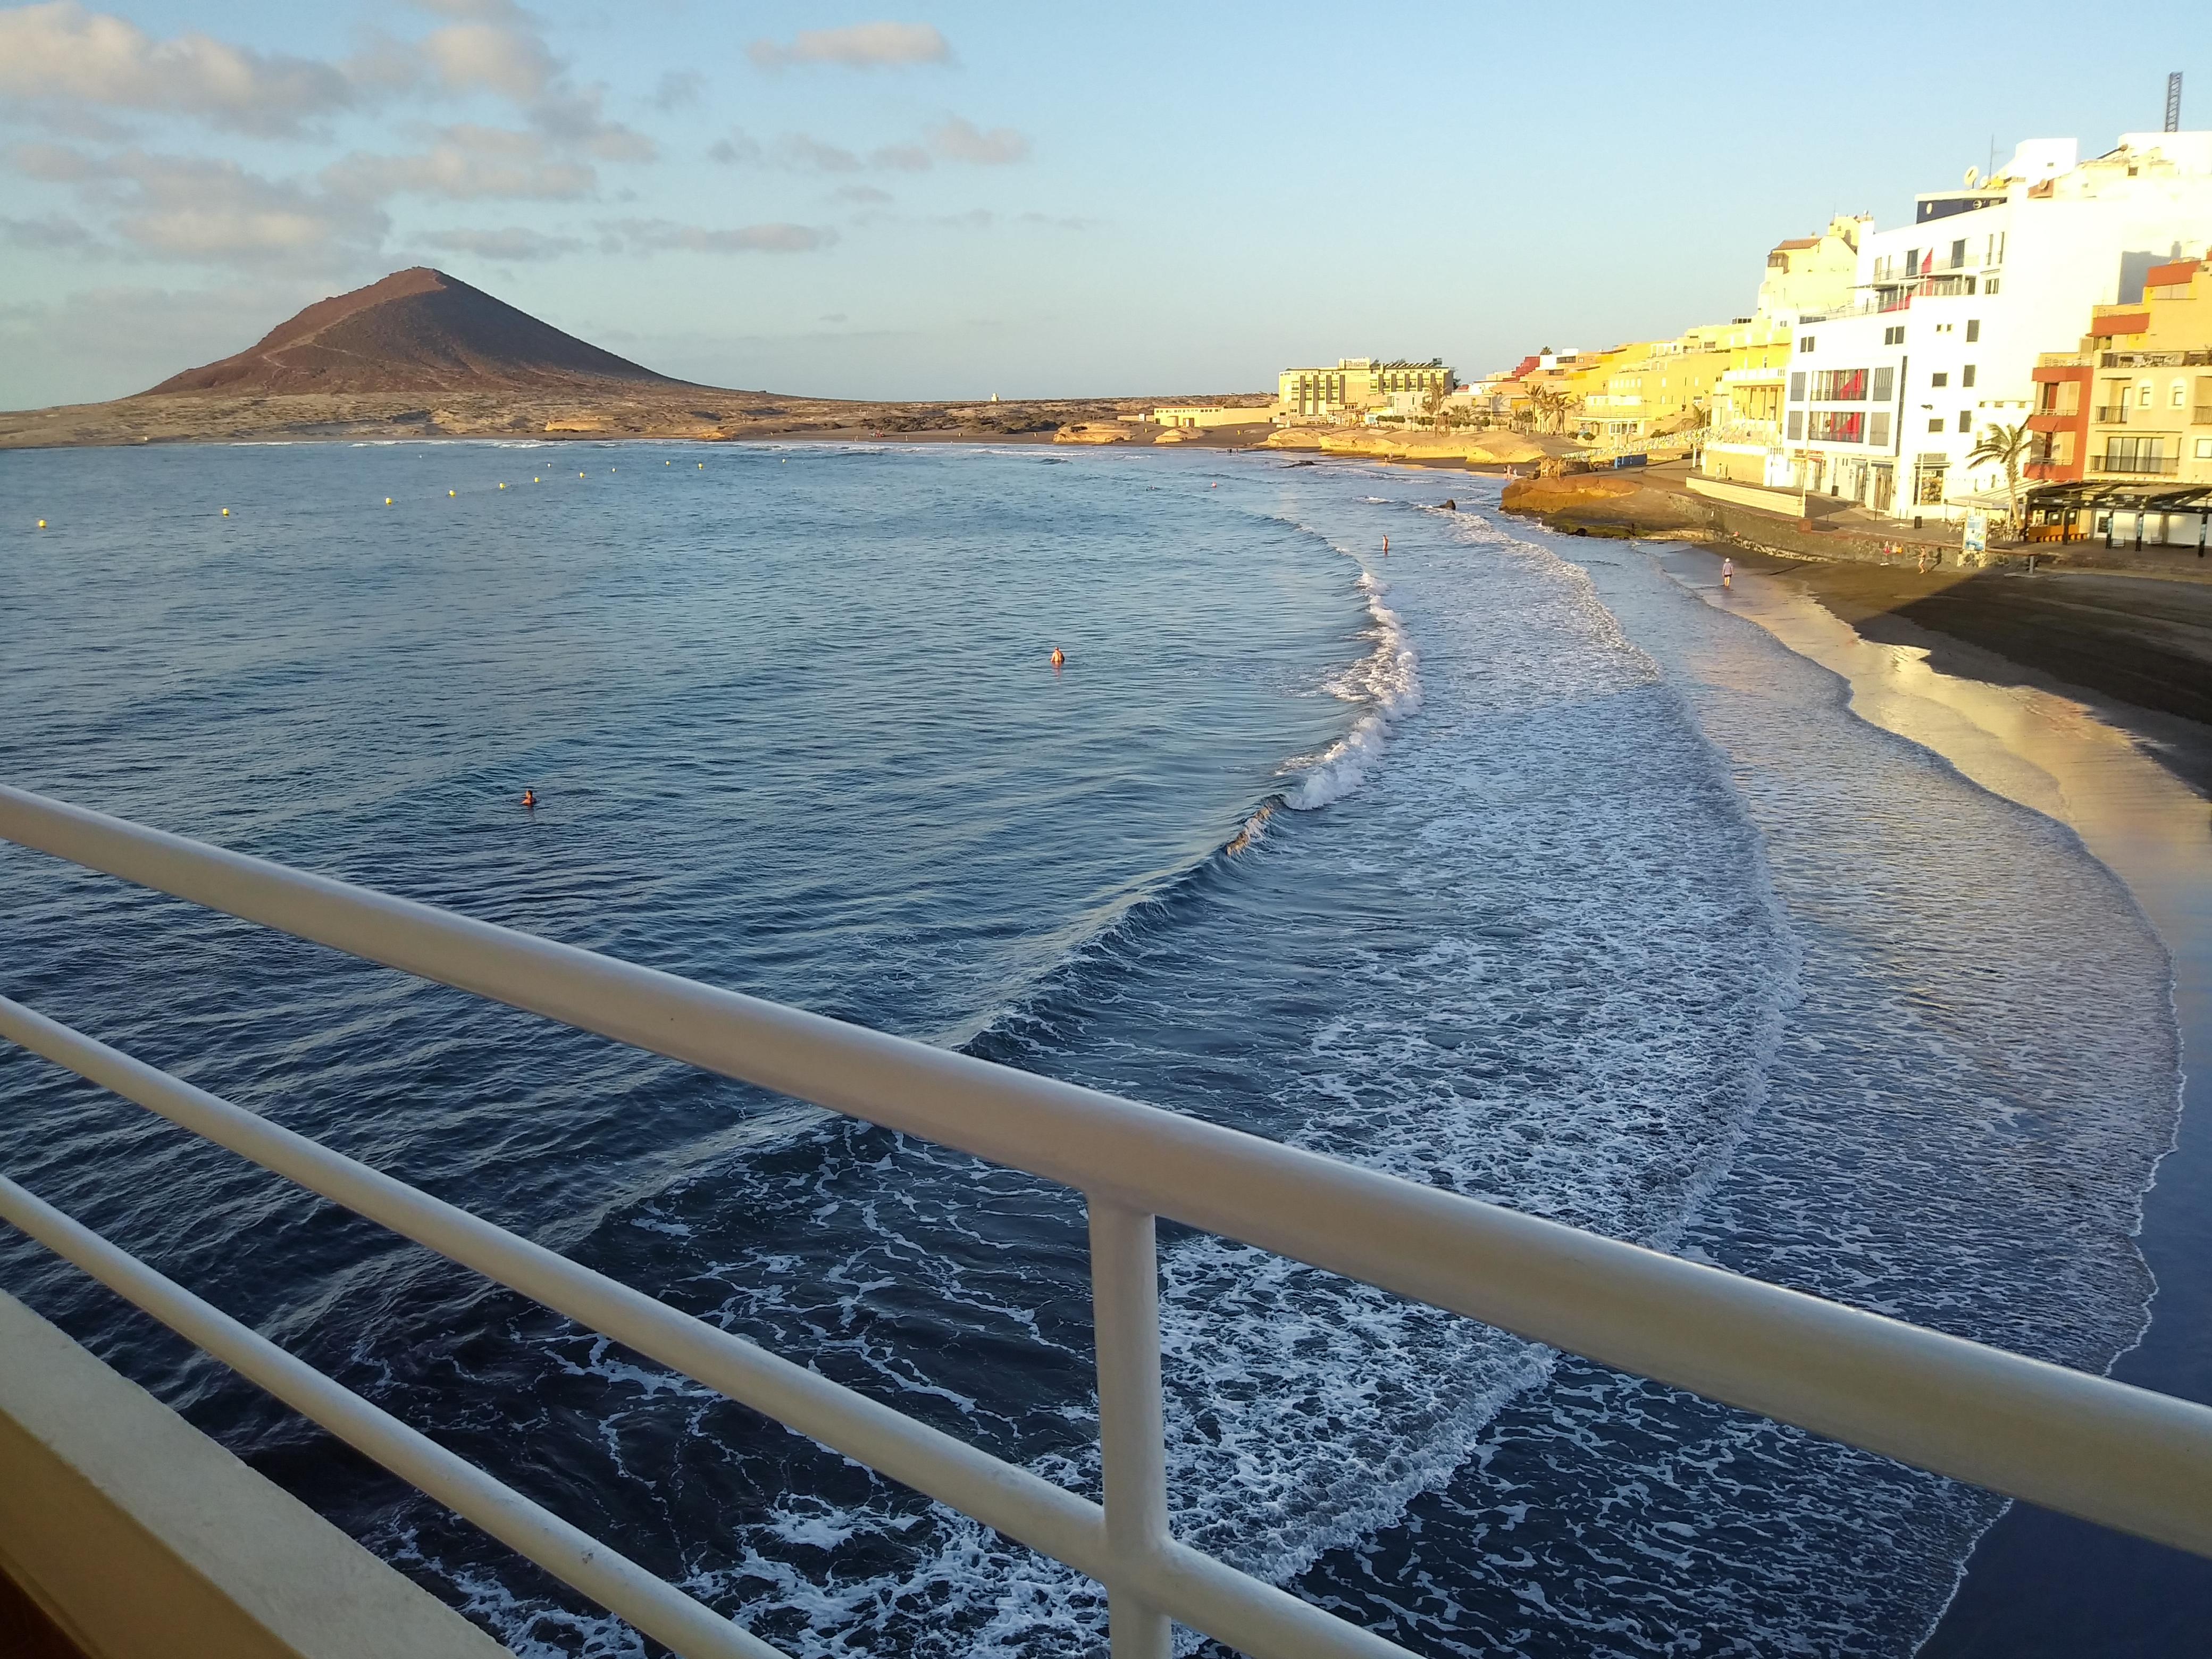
[{"x": 1973, "y": 177}]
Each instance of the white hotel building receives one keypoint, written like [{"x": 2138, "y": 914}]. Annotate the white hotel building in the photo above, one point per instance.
[{"x": 1886, "y": 396}]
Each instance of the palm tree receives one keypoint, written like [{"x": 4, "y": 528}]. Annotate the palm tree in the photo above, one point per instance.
[
  {"x": 1433, "y": 402},
  {"x": 2006, "y": 447}
]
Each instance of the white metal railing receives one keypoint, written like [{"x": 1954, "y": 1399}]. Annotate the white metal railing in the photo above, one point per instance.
[{"x": 2120, "y": 1456}]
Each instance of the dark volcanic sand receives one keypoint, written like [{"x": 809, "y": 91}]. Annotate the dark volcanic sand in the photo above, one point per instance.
[{"x": 2144, "y": 640}]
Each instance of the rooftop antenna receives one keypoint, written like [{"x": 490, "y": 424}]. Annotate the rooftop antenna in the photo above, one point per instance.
[{"x": 2174, "y": 101}]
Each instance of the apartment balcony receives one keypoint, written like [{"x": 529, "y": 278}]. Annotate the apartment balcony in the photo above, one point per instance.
[
  {"x": 2112, "y": 415},
  {"x": 2138, "y": 466},
  {"x": 2201, "y": 415},
  {"x": 2054, "y": 420},
  {"x": 1764, "y": 434},
  {"x": 2154, "y": 358}
]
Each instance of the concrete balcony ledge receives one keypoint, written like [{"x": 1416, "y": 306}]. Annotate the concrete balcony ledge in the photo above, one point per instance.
[{"x": 135, "y": 1536}]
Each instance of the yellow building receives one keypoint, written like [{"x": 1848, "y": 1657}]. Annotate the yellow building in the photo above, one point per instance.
[
  {"x": 1360, "y": 386},
  {"x": 1204, "y": 416},
  {"x": 1654, "y": 387},
  {"x": 1744, "y": 443}
]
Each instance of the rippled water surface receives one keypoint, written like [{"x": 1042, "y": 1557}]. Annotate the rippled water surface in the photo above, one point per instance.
[{"x": 1501, "y": 863}]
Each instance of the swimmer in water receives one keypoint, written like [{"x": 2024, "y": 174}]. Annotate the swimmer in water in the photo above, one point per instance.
[
  {"x": 1386, "y": 546},
  {"x": 1059, "y": 658},
  {"x": 530, "y": 798},
  {"x": 1727, "y": 573}
]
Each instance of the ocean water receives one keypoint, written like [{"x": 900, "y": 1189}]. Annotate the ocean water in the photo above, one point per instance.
[{"x": 1500, "y": 861}]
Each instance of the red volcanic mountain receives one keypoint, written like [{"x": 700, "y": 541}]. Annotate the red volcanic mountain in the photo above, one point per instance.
[{"x": 415, "y": 331}]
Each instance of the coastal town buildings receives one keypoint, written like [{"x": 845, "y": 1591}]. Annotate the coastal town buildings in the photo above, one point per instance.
[
  {"x": 1656, "y": 387},
  {"x": 1743, "y": 442},
  {"x": 1812, "y": 273},
  {"x": 1360, "y": 386},
  {"x": 2123, "y": 425},
  {"x": 1888, "y": 395},
  {"x": 1805, "y": 275},
  {"x": 1206, "y": 416}
]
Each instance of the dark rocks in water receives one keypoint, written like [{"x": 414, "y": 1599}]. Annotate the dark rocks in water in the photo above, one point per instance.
[{"x": 1451, "y": 506}]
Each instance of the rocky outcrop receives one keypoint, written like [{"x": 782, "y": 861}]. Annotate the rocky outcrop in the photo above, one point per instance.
[
  {"x": 1604, "y": 503},
  {"x": 1116, "y": 434},
  {"x": 1366, "y": 443}
]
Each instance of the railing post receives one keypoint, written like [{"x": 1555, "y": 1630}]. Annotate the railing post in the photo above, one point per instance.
[{"x": 1125, "y": 1296}]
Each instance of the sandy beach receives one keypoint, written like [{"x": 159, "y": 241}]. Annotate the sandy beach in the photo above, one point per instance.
[
  {"x": 2039, "y": 1582},
  {"x": 2135, "y": 649}
]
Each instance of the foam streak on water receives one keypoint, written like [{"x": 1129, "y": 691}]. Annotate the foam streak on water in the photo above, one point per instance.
[{"x": 1594, "y": 903}]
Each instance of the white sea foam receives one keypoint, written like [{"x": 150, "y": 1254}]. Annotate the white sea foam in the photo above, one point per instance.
[{"x": 1385, "y": 685}]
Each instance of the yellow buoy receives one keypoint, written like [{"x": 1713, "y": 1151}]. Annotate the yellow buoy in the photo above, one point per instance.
[
  {"x": 502, "y": 486},
  {"x": 449, "y": 492},
  {"x": 703, "y": 466},
  {"x": 580, "y": 475},
  {"x": 225, "y": 512},
  {"x": 42, "y": 523},
  {"x": 537, "y": 481},
  {"x": 387, "y": 500}
]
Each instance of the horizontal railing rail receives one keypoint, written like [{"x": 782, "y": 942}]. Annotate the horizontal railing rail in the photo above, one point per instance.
[{"x": 2120, "y": 1456}]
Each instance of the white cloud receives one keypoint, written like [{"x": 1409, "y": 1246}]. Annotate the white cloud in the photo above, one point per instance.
[
  {"x": 508, "y": 58},
  {"x": 804, "y": 155},
  {"x": 859, "y": 46},
  {"x": 865, "y": 195},
  {"x": 50, "y": 233},
  {"x": 514, "y": 243},
  {"x": 955, "y": 140},
  {"x": 213, "y": 212},
  {"x": 662, "y": 235},
  {"x": 962, "y": 141},
  {"x": 60, "y": 50},
  {"x": 466, "y": 163},
  {"x": 679, "y": 87},
  {"x": 104, "y": 343}
]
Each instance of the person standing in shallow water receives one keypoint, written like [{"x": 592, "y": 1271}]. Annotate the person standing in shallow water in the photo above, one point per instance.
[
  {"x": 530, "y": 799},
  {"x": 1727, "y": 573},
  {"x": 1059, "y": 658}
]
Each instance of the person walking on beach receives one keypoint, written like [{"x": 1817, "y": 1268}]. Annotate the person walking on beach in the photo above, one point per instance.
[{"x": 1728, "y": 572}]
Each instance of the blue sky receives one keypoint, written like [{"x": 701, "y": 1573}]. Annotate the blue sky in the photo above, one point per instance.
[{"x": 964, "y": 199}]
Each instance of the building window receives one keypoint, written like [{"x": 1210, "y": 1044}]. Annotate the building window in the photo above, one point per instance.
[
  {"x": 1966, "y": 420},
  {"x": 1835, "y": 426},
  {"x": 1796, "y": 425},
  {"x": 1966, "y": 375},
  {"x": 1959, "y": 254},
  {"x": 1805, "y": 344},
  {"x": 2204, "y": 449},
  {"x": 1797, "y": 387},
  {"x": 1884, "y": 381},
  {"x": 1989, "y": 286},
  {"x": 1973, "y": 329},
  {"x": 1935, "y": 425},
  {"x": 1928, "y": 486},
  {"x": 2179, "y": 392},
  {"x": 2142, "y": 401},
  {"x": 1878, "y": 429},
  {"x": 1893, "y": 336},
  {"x": 1939, "y": 379},
  {"x": 1839, "y": 386}
]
